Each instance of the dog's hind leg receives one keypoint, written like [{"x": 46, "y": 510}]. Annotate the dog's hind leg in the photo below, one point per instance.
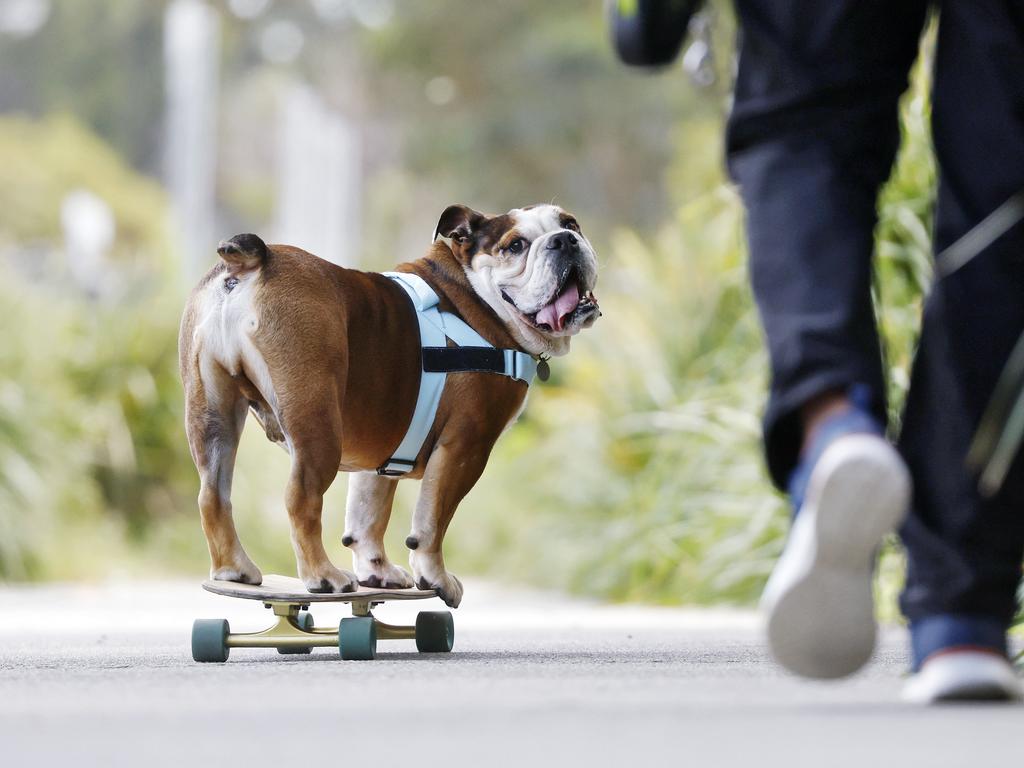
[
  {"x": 316, "y": 455},
  {"x": 367, "y": 512},
  {"x": 214, "y": 415}
]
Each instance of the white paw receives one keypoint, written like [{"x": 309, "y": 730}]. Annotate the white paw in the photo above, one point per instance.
[
  {"x": 327, "y": 578},
  {"x": 428, "y": 573},
  {"x": 242, "y": 572},
  {"x": 379, "y": 573}
]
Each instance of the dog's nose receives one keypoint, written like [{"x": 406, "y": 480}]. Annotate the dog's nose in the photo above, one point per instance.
[{"x": 565, "y": 242}]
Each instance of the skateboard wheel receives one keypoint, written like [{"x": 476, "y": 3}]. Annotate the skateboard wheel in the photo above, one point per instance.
[
  {"x": 435, "y": 632},
  {"x": 305, "y": 622},
  {"x": 209, "y": 640},
  {"x": 357, "y": 638}
]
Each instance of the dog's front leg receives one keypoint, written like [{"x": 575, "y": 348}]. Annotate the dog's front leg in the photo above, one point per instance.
[
  {"x": 367, "y": 512},
  {"x": 451, "y": 472}
]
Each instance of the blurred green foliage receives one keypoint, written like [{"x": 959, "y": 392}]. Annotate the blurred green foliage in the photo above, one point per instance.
[
  {"x": 635, "y": 473},
  {"x": 533, "y": 86},
  {"x": 643, "y": 456},
  {"x": 46, "y": 159},
  {"x": 89, "y": 397},
  {"x": 646, "y": 480}
]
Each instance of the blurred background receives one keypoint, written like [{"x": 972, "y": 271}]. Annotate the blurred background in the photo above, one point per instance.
[{"x": 135, "y": 135}]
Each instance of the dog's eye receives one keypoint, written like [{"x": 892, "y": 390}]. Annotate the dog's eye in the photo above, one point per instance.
[
  {"x": 572, "y": 225},
  {"x": 517, "y": 245}
]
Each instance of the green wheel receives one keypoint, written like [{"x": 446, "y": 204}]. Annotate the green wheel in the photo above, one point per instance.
[
  {"x": 357, "y": 638},
  {"x": 435, "y": 632},
  {"x": 210, "y": 640},
  {"x": 305, "y": 621}
]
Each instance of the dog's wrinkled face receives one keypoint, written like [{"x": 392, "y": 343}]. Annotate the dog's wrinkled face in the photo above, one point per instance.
[{"x": 532, "y": 265}]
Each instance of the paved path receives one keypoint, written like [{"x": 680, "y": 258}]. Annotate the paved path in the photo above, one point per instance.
[{"x": 103, "y": 677}]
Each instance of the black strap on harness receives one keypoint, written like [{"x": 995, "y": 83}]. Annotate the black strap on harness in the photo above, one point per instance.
[{"x": 461, "y": 359}]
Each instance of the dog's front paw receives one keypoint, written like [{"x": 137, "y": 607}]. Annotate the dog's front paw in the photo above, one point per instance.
[
  {"x": 329, "y": 579},
  {"x": 381, "y": 574},
  {"x": 431, "y": 574},
  {"x": 447, "y": 586},
  {"x": 243, "y": 571}
]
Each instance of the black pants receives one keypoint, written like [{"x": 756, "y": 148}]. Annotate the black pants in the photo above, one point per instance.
[{"x": 812, "y": 136}]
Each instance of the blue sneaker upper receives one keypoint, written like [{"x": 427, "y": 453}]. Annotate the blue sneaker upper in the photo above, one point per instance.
[
  {"x": 945, "y": 631},
  {"x": 858, "y": 419}
]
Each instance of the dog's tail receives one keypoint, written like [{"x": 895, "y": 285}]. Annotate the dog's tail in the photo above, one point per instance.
[{"x": 243, "y": 252}]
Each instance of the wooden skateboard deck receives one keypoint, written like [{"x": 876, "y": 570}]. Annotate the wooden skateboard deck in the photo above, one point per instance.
[
  {"x": 286, "y": 589},
  {"x": 294, "y": 632}
]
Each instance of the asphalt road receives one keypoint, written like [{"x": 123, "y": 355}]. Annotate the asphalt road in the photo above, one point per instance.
[{"x": 103, "y": 676}]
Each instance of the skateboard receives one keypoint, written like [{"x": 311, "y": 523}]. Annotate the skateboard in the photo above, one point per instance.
[{"x": 294, "y": 631}]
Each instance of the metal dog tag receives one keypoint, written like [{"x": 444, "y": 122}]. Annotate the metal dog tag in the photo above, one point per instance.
[{"x": 543, "y": 370}]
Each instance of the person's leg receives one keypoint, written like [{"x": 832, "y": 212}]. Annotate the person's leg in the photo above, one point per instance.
[
  {"x": 812, "y": 136},
  {"x": 964, "y": 551}
]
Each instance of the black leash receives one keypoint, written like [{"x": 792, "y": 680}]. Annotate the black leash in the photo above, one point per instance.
[{"x": 1001, "y": 430}]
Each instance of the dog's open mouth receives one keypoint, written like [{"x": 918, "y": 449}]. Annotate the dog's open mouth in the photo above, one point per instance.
[{"x": 566, "y": 306}]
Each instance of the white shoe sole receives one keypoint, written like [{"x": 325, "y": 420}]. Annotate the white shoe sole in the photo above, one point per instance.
[
  {"x": 819, "y": 600},
  {"x": 963, "y": 676}
]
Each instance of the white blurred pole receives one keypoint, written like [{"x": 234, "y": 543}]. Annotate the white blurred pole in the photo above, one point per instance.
[
  {"x": 191, "y": 65},
  {"x": 318, "y": 179},
  {"x": 89, "y": 231}
]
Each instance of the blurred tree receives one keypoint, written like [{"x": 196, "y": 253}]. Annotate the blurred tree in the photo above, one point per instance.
[
  {"x": 100, "y": 60},
  {"x": 504, "y": 103}
]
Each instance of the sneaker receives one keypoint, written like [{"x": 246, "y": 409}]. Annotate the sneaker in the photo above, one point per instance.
[
  {"x": 851, "y": 489},
  {"x": 963, "y": 674}
]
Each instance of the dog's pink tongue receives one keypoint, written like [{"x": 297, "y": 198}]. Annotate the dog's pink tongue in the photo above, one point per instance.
[{"x": 563, "y": 305}]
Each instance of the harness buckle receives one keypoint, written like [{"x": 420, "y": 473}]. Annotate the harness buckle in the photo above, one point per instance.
[{"x": 390, "y": 470}]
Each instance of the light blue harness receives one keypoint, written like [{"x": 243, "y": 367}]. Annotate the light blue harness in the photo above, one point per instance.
[{"x": 436, "y": 328}]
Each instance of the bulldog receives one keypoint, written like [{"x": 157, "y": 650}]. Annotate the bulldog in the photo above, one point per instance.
[{"x": 329, "y": 361}]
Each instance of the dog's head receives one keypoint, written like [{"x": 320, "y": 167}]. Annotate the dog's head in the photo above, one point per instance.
[{"x": 532, "y": 266}]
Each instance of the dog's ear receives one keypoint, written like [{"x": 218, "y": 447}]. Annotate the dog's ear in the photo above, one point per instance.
[{"x": 457, "y": 224}]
